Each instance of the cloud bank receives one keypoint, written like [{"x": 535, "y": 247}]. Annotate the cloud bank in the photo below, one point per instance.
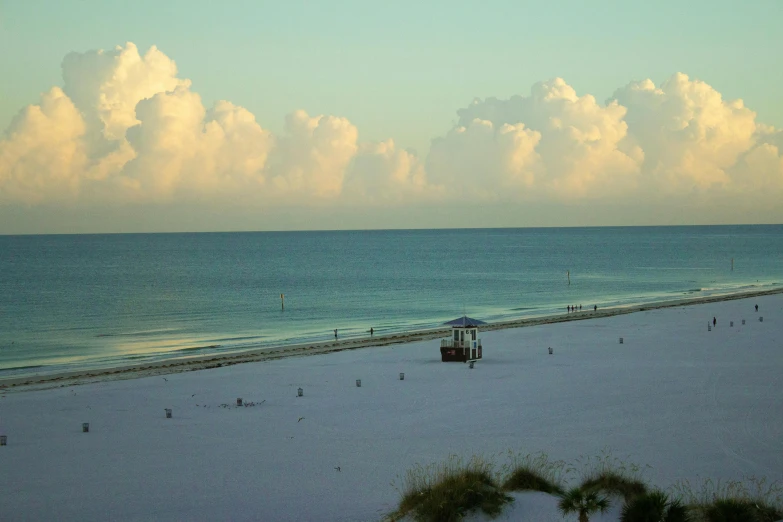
[{"x": 125, "y": 129}]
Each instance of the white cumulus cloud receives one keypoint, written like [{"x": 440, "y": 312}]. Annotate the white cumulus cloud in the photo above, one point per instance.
[{"x": 125, "y": 128}]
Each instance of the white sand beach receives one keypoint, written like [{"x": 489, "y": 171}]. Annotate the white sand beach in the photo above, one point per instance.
[{"x": 688, "y": 402}]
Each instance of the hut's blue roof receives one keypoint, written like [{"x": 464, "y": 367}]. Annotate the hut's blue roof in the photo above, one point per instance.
[{"x": 464, "y": 321}]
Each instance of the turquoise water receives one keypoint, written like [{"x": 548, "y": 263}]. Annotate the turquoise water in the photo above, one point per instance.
[{"x": 82, "y": 301}]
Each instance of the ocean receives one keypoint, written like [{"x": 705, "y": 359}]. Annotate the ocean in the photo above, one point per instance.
[{"x": 73, "y": 302}]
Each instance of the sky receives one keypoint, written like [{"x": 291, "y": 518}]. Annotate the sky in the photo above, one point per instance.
[{"x": 191, "y": 116}]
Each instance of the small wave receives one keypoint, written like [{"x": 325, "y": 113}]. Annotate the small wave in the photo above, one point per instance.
[
  {"x": 15, "y": 368},
  {"x": 672, "y": 268},
  {"x": 245, "y": 338},
  {"x": 196, "y": 348},
  {"x": 522, "y": 309},
  {"x": 139, "y": 333}
]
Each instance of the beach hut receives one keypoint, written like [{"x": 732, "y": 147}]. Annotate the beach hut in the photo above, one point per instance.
[{"x": 463, "y": 345}]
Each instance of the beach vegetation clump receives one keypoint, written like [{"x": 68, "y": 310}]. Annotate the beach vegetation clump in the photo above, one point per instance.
[
  {"x": 611, "y": 475},
  {"x": 447, "y": 492},
  {"x": 534, "y": 472},
  {"x": 654, "y": 506},
  {"x": 747, "y": 500},
  {"x": 582, "y": 502}
]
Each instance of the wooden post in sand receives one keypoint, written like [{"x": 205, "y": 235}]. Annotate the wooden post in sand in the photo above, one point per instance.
[{"x": 282, "y": 302}]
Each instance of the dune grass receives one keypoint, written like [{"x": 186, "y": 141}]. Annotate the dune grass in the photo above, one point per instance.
[
  {"x": 748, "y": 500},
  {"x": 449, "y": 491},
  {"x": 611, "y": 475},
  {"x": 534, "y": 472}
]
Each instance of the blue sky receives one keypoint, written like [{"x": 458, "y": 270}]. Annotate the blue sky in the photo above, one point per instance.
[{"x": 402, "y": 69}]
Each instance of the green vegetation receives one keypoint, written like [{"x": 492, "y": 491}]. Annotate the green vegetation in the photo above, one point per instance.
[
  {"x": 613, "y": 476},
  {"x": 449, "y": 491},
  {"x": 582, "y": 502},
  {"x": 751, "y": 500},
  {"x": 534, "y": 472},
  {"x": 654, "y": 506}
]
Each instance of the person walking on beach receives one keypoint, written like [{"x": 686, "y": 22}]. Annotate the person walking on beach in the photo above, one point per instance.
[
  {"x": 714, "y": 321},
  {"x": 757, "y": 308},
  {"x": 580, "y": 308},
  {"x": 595, "y": 308},
  {"x": 371, "y": 331},
  {"x": 335, "y": 333}
]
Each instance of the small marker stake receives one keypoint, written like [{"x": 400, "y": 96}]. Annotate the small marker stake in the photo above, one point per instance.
[
  {"x": 168, "y": 413},
  {"x": 85, "y": 427},
  {"x": 299, "y": 392},
  {"x": 402, "y": 376},
  {"x": 358, "y": 383},
  {"x": 550, "y": 350},
  {"x": 621, "y": 340}
]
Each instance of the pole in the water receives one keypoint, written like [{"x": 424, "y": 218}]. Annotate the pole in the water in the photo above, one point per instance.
[
  {"x": 732, "y": 264},
  {"x": 282, "y": 302},
  {"x": 568, "y": 274}
]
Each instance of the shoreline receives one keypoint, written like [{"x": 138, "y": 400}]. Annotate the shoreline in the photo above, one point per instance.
[{"x": 172, "y": 366}]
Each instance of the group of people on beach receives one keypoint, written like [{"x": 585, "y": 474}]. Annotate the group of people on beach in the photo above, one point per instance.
[
  {"x": 575, "y": 308},
  {"x": 715, "y": 319}
]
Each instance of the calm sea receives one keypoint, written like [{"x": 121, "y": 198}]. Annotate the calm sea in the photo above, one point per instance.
[{"x": 84, "y": 301}]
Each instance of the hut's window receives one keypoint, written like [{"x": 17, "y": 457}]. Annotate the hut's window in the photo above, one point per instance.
[
  {"x": 456, "y": 335},
  {"x": 473, "y": 334}
]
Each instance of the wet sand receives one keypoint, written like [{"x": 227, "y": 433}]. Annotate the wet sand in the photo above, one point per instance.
[{"x": 171, "y": 366}]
